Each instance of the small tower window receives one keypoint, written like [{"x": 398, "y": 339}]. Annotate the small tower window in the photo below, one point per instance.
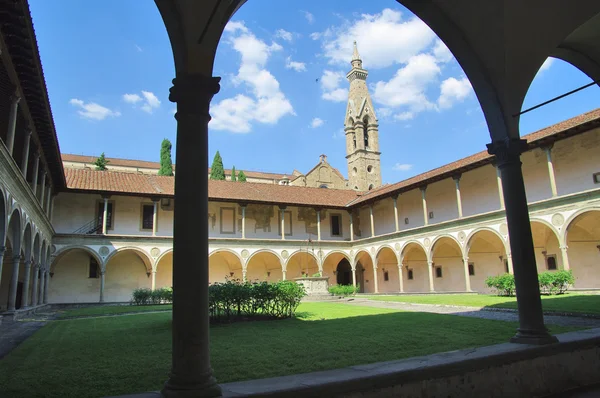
[
  {"x": 354, "y": 140},
  {"x": 366, "y": 138},
  {"x": 370, "y": 187},
  {"x": 370, "y": 169}
]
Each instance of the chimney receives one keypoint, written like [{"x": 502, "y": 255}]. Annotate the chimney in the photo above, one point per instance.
[{"x": 323, "y": 158}]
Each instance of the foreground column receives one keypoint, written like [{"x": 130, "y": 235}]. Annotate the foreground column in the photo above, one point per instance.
[
  {"x": 25, "y": 291},
  {"x": 531, "y": 320},
  {"x": 12, "y": 297},
  {"x": 34, "y": 293},
  {"x": 191, "y": 374}
]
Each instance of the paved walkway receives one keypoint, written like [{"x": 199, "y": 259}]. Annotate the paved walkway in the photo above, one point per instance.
[
  {"x": 475, "y": 312},
  {"x": 13, "y": 333}
]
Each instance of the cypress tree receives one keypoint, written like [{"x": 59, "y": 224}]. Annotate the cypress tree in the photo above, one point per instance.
[
  {"x": 233, "y": 177},
  {"x": 101, "y": 163},
  {"x": 216, "y": 170},
  {"x": 241, "y": 177},
  {"x": 166, "y": 164}
]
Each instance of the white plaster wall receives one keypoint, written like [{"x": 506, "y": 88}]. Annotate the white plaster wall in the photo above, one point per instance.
[
  {"x": 575, "y": 160},
  {"x": 449, "y": 257},
  {"x": 479, "y": 191},
  {"x": 410, "y": 205},
  {"x": 441, "y": 200},
  {"x": 535, "y": 175},
  {"x": 71, "y": 282},
  {"x": 420, "y": 283},
  {"x": 125, "y": 272},
  {"x": 387, "y": 262},
  {"x": 261, "y": 264},
  {"x": 383, "y": 214},
  {"x": 73, "y": 210},
  {"x": 164, "y": 271},
  {"x": 486, "y": 264}
]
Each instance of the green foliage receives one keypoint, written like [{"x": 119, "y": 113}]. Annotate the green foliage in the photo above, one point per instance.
[
  {"x": 503, "y": 284},
  {"x": 216, "y": 170},
  {"x": 101, "y": 163},
  {"x": 241, "y": 177},
  {"x": 233, "y": 177},
  {"x": 555, "y": 282},
  {"x": 145, "y": 296},
  {"x": 236, "y": 299},
  {"x": 166, "y": 163},
  {"x": 317, "y": 275},
  {"x": 343, "y": 290}
]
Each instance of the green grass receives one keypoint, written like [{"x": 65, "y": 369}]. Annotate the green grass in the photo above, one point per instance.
[
  {"x": 111, "y": 310},
  {"x": 570, "y": 302},
  {"x": 127, "y": 354}
]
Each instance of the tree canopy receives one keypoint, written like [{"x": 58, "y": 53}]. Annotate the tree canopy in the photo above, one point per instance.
[
  {"x": 216, "y": 170},
  {"x": 166, "y": 163},
  {"x": 101, "y": 163}
]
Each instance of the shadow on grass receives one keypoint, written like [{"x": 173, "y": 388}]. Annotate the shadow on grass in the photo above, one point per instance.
[
  {"x": 564, "y": 303},
  {"x": 120, "y": 355}
]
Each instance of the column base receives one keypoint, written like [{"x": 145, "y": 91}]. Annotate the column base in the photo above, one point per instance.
[
  {"x": 180, "y": 389},
  {"x": 533, "y": 337}
]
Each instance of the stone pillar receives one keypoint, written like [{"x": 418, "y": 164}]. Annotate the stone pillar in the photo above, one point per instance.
[
  {"x": 244, "y": 274},
  {"x": 400, "y": 278},
  {"x": 284, "y": 273},
  {"x": 376, "y": 282},
  {"x": 34, "y": 293},
  {"x": 36, "y": 169},
  {"x": 531, "y": 320},
  {"x": 372, "y": 220},
  {"x": 102, "y": 281},
  {"x": 500, "y": 190},
  {"x": 565, "y": 257},
  {"x": 25, "y": 291},
  {"x": 282, "y": 223},
  {"x": 510, "y": 264},
  {"x": 318, "y": 224},
  {"x": 105, "y": 216},
  {"x": 155, "y": 219},
  {"x": 458, "y": 198},
  {"x": 467, "y": 276},
  {"x": 430, "y": 275},
  {"x": 43, "y": 189},
  {"x": 51, "y": 210},
  {"x": 46, "y": 283},
  {"x": 354, "y": 276},
  {"x": 551, "y": 175},
  {"x": 425, "y": 215},
  {"x": 395, "y": 198},
  {"x": 42, "y": 285},
  {"x": 2, "y": 251},
  {"x": 351, "y": 226},
  {"x": 48, "y": 198},
  {"x": 25, "y": 157},
  {"x": 12, "y": 296},
  {"x": 12, "y": 122},
  {"x": 153, "y": 279},
  {"x": 191, "y": 374},
  {"x": 244, "y": 222}
]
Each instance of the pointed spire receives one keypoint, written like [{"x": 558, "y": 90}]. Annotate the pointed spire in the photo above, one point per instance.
[{"x": 356, "y": 61}]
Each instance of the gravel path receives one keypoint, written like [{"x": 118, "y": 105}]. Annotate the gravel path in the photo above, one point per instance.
[{"x": 474, "y": 312}]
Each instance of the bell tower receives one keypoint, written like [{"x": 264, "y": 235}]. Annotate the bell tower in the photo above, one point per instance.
[{"x": 362, "y": 131}]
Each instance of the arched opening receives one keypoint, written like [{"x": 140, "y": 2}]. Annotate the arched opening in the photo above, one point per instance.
[
  {"x": 546, "y": 247},
  {"x": 583, "y": 242},
  {"x": 164, "y": 270},
  {"x": 414, "y": 268},
  {"x": 264, "y": 266},
  {"x": 366, "y": 130},
  {"x": 364, "y": 272},
  {"x": 126, "y": 270},
  {"x": 75, "y": 276},
  {"x": 487, "y": 257},
  {"x": 13, "y": 247},
  {"x": 334, "y": 266},
  {"x": 224, "y": 265},
  {"x": 301, "y": 263},
  {"x": 3, "y": 220},
  {"x": 387, "y": 271},
  {"x": 448, "y": 269}
]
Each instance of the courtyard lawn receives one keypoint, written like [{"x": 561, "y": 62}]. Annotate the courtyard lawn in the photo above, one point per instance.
[
  {"x": 107, "y": 356},
  {"x": 112, "y": 310},
  {"x": 566, "y": 303}
]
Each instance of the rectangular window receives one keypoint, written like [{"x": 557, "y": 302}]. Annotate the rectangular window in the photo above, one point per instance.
[
  {"x": 438, "y": 272},
  {"x": 410, "y": 274},
  {"x": 336, "y": 225},
  {"x": 93, "y": 269},
  {"x": 386, "y": 276},
  {"x": 109, "y": 215},
  {"x": 227, "y": 220},
  {"x": 471, "y": 269},
  {"x": 596, "y": 178},
  {"x": 551, "y": 263},
  {"x": 148, "y": 217}
]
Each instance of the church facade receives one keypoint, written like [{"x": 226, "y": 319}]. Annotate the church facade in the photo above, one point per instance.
[{"x": 70, "y": 234}]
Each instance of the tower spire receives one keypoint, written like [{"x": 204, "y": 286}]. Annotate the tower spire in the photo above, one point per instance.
[{"x": 356, "y": 61}]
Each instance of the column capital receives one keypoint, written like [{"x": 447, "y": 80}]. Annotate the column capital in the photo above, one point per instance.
[
  {"x": 456, "y": 177},
  {"x": 563, "y": 247},
  {"x": 102, "y": 272},
  {"x": 466, "y": 259},
  {"x": 423, "y": 188},
  {"x": 430, "y": 263},
  {"x": 28, "y": 263},
  {"x": 395, "y": 197},
  {"x": 548, "y": 147},
  {"x": 507, "y": 151},
  {"x": 193, "y": 93},
  {"x": 282, "y": 207},
  {"x": 15, "y": 97},
  {"x": 16, "y": 258}
]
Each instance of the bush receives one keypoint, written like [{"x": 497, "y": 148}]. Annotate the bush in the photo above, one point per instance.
[
  {"x": 141, "y": 296},
  {"x": 503, "y": 284},
  {"x": 144, "y": 296},
  {"x": 343, "y": 290},
  {"x": 557, "y": 282}
]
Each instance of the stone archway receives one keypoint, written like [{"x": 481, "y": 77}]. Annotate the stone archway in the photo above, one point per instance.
[
  {"x": 487, "y": 257},
  {"x": 583, "y": 243},
  {"x": 365, "y": 278},
  {"x": 414, "y": 268},
  {"x": 264, "y": 265},
  {"x": 164, "y": 270},
  {"x": 224, "y": 265},
  {"x": 301, "y": 263},
  {"x": 75, "y": 276},
  {"x": 448, "y": 267},
  {"x": 546, "y": 246},
  {"x": 126, "y": 269},
  {"x": 387, "y": 270}
]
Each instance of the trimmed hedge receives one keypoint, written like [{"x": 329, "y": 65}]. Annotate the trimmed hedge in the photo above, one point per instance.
[
  {"x": 550, "y": 282},
  {"x": 343, "y": 290},
  {"x": 144, "y": 296}
]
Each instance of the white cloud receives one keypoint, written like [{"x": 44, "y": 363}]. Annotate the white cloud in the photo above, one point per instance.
[
  {"x": 402, "y": 167},
  {"x": 131, "y": 98},
  {"x": 404, "y": 116},
  {"x": 339, "y": 134},
  {"x": 441, "y": 52},
  {"x": 139, "y": 48},
  {"x": 309, "y": 17},
  {"x": 297, "y": 66},
  {"x": 383, "y": 39},
  {"x": 384, "y": 112},
  {"x": 330, "y": 85},
  {"x": 315, "y": 35},
  {"x": 92, "y": 110},
  {"x": 316, "y": 122},
  {"x": 234, "y": 26},
  {"x": 546, "y": 65},
  {"x": 284, "y": 34},
  {"x": 452, "y": 91},
  {"x": 269, "y": 104}
]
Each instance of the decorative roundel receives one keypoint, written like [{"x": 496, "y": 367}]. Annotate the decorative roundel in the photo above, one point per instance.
[
  {"x": 351, "y": 253},
  {"x": 372, "y": 250},
  {"x": 53, "y": 249},
  {"x": 104, "y": 251},
  {"x": 461, "y": 236},
  {"x": 245, "y": 253},
  {"x": 397, "y": 246},
  {"x": 558, "y": 219},
  {"x": 285, "y": 254},
  {"x": 427, "y": 242},
  {"x": 155, "y": 252},
  {"x": 504, "y": 229}
]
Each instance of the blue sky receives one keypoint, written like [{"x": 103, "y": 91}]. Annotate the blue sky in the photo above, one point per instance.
[{"x": 108, "y": 68}]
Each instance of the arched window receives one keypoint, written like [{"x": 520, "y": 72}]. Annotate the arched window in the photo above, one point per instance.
[
  {"x": 354, "y": 140},
  {"x": 366, "y": 123},
  {"x": 323, "y": 186},
  {"x": 370, "y": 187}
]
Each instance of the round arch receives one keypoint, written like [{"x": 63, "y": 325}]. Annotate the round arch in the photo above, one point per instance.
[
  {"x": 36, "y": 253},
  {"x": 142, "y": 254},
  {"x": 265, "y": 251},
  {"x": 410, "y": 244},
  {"x": 414, "y": 266},
  {"x": 582, "y": 237},
  {"x": 572, "y": 218},
  {"x": 224, "y": 264},
  {"x": 264, "y": 265},
  {"x": 13, "y": 233},
  {"x": 27, "y": 242},
  {"x": 549, "y": 225},
  {"x": 331, "y": 267},
  {"x": 65, "y": 250},
  {"x": 3, "y": 217},
  {"x": 301, "y": 262},
  {"x": 385, "y": 247},
  {"x": 162, "y": 255},
  {"x": 546, "y": 245},
  {"x": 223, "y": 250},
  {"x": 387, "y": 269},
  {"x": 75, "y": 274},
  {"x": 487, "y": 254},
  {"x": 126, "y": 269},
  {"x": 448, "y": 271},
  {"x": 439, "y": 238},
  {"x": 469, "y": 239},
  {"x": 365, "y": 277}
]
